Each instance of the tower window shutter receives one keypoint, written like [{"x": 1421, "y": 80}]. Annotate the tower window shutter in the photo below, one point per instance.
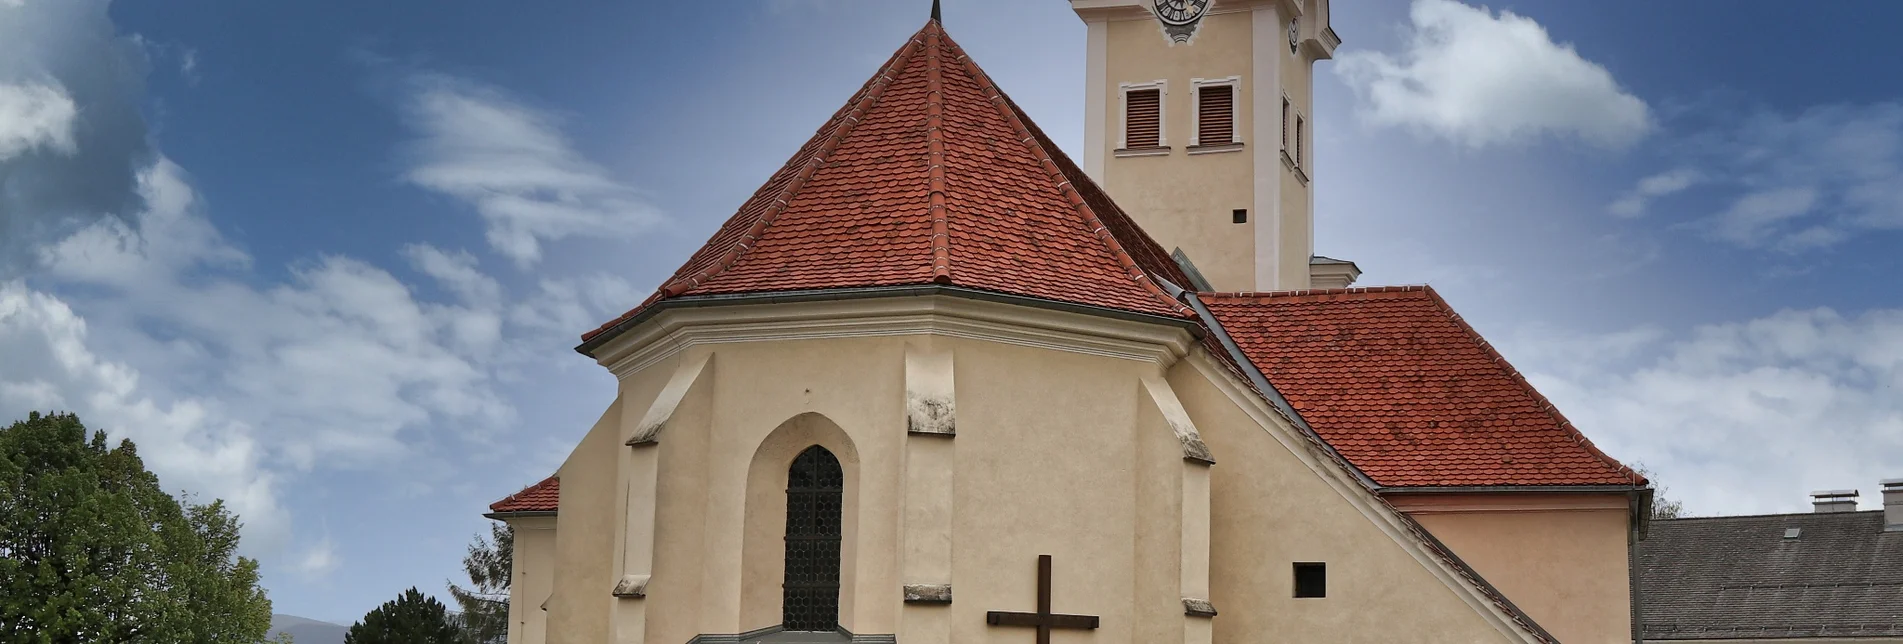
[
  {"x": 1216, "y": 115},
  {"x": 1286, "y": 111},
  {"x": 1142, "y": 118},
  {"x": 1300, "y": 131}
]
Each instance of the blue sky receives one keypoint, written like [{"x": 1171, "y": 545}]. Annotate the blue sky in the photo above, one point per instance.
[{"x": 327, "y": 261}]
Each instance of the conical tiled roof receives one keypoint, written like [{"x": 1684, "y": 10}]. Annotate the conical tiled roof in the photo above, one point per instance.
[{"x": 931, "y": 175}]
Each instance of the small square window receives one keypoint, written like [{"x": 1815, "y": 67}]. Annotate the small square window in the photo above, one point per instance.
[
  {"x": 1240, "y": 215},
  {"x": 1311, "y": 579}
]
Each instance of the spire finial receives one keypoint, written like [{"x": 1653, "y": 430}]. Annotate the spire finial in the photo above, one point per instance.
[{"x": 935, "y": 11}]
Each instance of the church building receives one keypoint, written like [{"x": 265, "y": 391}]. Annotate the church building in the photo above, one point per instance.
[{"x": 937, "y": 382}]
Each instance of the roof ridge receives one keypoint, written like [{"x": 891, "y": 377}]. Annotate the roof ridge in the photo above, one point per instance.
[
  {"x": 1078, "y": 204},
  {"x": 869, "y": 96},
  {"x": 1771, "y": 515},
  {"x": 1352, "y": 290},
  {"x": 1500, "y": 361},
  {"x": 935, "y": 149}
]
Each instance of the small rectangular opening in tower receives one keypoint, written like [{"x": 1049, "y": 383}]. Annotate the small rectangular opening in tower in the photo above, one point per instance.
[
  {"x": 1240, "y": 215},
  {"x": 1311, "y": 579}
]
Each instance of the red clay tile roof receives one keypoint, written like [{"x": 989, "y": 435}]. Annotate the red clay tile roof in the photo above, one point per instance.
[
  {"x": 1400, "y": 385},
  {"x": 541, "y": 497},
  {"x": 931, "y": 175}
]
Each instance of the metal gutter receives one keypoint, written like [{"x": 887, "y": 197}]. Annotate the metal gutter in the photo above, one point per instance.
[
  {"x": 504, "y": 516},
  {"x": 1472, "y": 489},
  {"x": 588, "y": 347}
]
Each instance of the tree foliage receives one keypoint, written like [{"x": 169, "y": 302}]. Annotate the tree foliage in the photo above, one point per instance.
[
  {"x": 485, "y": 602},
  {"x": 1662, "y": 507},
  {"x": 93, "y": 550},
  {"x": 411, "y": 618}
]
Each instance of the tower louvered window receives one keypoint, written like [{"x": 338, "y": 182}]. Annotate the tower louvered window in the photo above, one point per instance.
[
  {"x": 1143, "y": 118},
  {"x": 810, "y": 590},
  {"x": 1216, "y": 115},
  {"x": 1300, "y": 128},
  {"x": 1287, "y": 110}
]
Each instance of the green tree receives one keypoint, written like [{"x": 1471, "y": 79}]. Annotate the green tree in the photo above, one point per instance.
[
  {"x": 411, "y": 618},
  {"x": 92, "y": 550},
  {"x": 485, "y": 603},
  {"x": 1663, "y": 507}
]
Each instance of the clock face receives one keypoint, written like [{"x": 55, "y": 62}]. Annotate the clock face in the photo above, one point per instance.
[{"x": 1180, "y": 12}]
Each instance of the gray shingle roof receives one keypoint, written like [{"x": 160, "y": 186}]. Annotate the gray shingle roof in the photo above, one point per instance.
[{"x": 1739, "y": 577}]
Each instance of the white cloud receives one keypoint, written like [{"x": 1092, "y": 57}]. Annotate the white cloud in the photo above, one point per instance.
[
  {"x": 457, "y": 271},
  {"x": 35, "y": 116},
  {"x": 1743, "y": 417},
  {"x": 512, "y": 164},
  {"x": 318, "y": 560},
  {"x": 1478, "y": 79},
  {"x": 342, "y": 365},
  {"x": 568, "y": 307},
  {"x": 189, "y": 442},
  {"x": 1808, "y": 181},
  {"x": 1633, "y": 203}
]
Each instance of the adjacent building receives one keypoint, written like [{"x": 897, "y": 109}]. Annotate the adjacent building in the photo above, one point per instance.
[{"x": 1832, "y": 576}]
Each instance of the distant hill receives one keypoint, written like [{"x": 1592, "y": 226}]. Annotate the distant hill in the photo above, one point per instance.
[{"x": 307, "y": 631}]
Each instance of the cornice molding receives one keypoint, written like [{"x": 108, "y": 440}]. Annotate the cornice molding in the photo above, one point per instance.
[{"x": 673, "y": 331}]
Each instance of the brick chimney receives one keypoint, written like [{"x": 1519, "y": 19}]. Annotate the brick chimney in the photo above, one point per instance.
[
  {"x": 1834, "y": 501},
  {"x": 1893, "y": 505}
]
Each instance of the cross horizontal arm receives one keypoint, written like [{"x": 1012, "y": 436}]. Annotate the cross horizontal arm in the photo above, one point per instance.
[{"x": 1055, "y": 620}]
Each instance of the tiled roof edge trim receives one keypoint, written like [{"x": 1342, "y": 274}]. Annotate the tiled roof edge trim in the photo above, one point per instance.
[
  {"x": 819, "y": 158},
  {"x": 498, "y": 506},
  {"x": 935, "y": 152},
  {"x": 1082, "y": 208},
  {"x": 1519, "y": 380},
  {"x": 1259, "y": 382}
]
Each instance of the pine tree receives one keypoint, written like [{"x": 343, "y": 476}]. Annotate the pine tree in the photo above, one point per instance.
[
  {"x": 93, "y": 550},
  {"x": 411, "y": 618},
  {"x": 485, "y": 603}
]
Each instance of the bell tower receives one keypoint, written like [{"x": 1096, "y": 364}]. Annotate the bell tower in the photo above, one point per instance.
[{"x": 1199, "y": 122}]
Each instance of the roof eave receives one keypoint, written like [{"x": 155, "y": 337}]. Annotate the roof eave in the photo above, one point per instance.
[
  {"x": 1481, "y": 489},
  {"x": 522, "y": 514},
  {"x": 589, "y": 346}
]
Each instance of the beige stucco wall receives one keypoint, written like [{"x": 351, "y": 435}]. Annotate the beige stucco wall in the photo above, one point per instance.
[
  {"x": 1561, "y": 558},
  {"x": 1187, "y": 200},
  {"x": 531, "y": 577},
  {"x": 1059, "y": 450},
  {"x": 584, "y": 534},
  {"x": 1271, "y": 510},
  {"x": 1298, "y": 214}
]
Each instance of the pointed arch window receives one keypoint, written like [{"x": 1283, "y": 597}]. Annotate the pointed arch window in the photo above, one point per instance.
[{"x": 815, "y": 487}]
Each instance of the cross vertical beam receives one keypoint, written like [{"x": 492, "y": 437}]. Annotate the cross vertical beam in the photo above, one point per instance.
[{"x": 1043, "y": 620}]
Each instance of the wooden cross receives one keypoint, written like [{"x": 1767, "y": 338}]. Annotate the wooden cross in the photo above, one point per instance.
[{"x": 1044, "y": 620}]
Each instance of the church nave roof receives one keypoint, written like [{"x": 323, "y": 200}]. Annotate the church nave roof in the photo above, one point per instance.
[{"x": 1410, "y": 394}]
